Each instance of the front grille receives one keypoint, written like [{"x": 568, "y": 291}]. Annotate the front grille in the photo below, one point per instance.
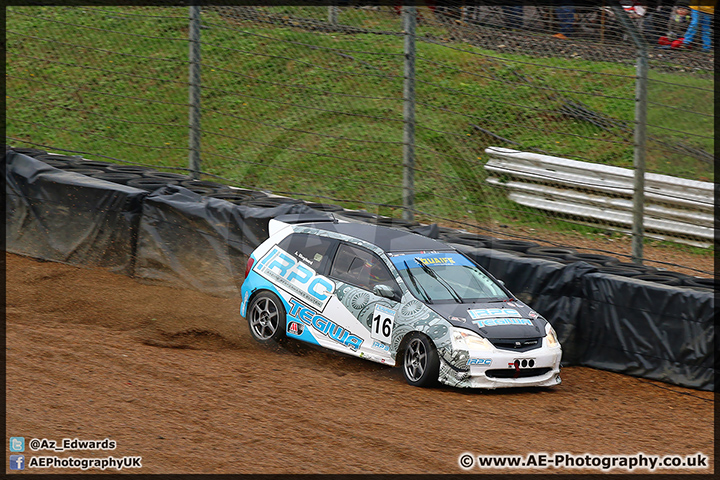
[
  {"x": 516, "y": 344},
  {"x": 512, "y": 373}
]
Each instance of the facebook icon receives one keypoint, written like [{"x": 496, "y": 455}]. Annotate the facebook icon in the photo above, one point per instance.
[{"x": 17, "y": 462}]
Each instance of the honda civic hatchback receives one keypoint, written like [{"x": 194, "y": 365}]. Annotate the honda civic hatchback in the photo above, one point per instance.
[{"x": 396, "y": 298}]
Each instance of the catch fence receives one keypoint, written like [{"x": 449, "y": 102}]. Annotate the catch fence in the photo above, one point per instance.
[{"x": 313, "y": 102}]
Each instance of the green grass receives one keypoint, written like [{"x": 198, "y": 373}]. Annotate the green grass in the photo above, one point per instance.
[{"x": 269, "y": 90}]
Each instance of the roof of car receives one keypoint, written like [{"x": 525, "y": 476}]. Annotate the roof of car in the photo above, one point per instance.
[{"x": 389, "y": 239}]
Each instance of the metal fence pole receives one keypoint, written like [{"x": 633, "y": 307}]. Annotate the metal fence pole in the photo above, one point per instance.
[
  {"x": 408, "y": 195},
  {"x": 640, "y": 133},
  {"x": 194, "y": 94}
]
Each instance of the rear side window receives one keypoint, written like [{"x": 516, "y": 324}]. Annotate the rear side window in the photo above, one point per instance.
[
  {"x": 361, "y": 268},
  {"x": 312, "y": 250}
]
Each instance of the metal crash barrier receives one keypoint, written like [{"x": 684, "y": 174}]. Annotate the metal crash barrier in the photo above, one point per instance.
[{"x": 676, "y": 209}]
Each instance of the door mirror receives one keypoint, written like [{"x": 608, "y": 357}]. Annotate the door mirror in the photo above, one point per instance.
[{"x": 384, "y": 291}]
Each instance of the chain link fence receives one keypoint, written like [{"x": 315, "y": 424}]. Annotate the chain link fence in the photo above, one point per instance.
[{"x": 308, "y": 102}]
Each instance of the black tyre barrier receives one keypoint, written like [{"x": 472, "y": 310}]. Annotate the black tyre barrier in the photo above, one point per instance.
[
  {"x": 58, "y": 158},
  {"x": 594, "y": 259},
  {"x": 61, "y": 164},
  {"x": 556, "y": 252},
  {"x": 238, "y": 198},
  {"x": 430, "y": 231},
  {"x": 202, "y": 190},
  {"x": 187, "y": 240},
  {"x": 29, "y": 151},
  {"x": 636, "y": 266},
  {"x": 395, "y": 222},
  {"x": 708, "y": 283},
  {"x": 269, "y": 202},
  {"x": 70, "y": 218},
  {"x": 121, "y": 178},
  {"x": 178, "y": 177},
  {"x": 81, "y": 162},
  {"x": 216, "y": 187},
  {"x": 513, "y": 245},
  {"x": 138, "y": 169},
  {"x": 669, "y": 273},
  {"x": 84, "y": 170},
  {"x": 149, "y": 184},
  {"x": 511, "y": 252},
  {"x": 622, "y": 271},
  {"x": 661, "y": 279},
  {"x": 471, "y": 239},
  {"x": 324, "y": 207}
]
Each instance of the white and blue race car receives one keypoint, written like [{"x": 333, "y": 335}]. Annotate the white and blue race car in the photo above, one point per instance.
[{"x": 396, "y": 298}]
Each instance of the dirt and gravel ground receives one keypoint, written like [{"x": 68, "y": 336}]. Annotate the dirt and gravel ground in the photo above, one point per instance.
[{"x": 172, "y": 376}]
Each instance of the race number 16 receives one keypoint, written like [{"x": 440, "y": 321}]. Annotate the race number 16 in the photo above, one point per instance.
[{"x": 382, "y": 323}]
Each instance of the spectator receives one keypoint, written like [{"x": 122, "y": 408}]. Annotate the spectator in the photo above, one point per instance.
[
  {"x": 677, "y": 25},
  {"x": 702, "y": 17},
  {"x": 656, "y": 18},
  {"x": 566, "y": 17},
  {"x": 513, "y": 16}
]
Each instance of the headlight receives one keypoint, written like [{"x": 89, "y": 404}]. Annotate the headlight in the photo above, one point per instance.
[
  {"x": 552, "y": 340},
  {"x": 466, "y": 340}
]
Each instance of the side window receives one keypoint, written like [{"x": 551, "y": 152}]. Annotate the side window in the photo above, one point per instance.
[
  {"x": 361, "y": 268},
  {"x": 309, "y": 249}
]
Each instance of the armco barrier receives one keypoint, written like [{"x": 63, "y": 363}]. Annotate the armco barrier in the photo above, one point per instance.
[
  {"x": 615, "y": 323},
  {"x": 676, "y": 209},
  {"x": 177, "y": 237}
]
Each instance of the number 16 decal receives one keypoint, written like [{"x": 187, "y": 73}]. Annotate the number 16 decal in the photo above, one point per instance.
[{"x": 382, "y": 323}]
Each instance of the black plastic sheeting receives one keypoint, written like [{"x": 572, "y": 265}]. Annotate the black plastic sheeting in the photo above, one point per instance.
[
  {"x": 615, "y": 323},
  {"x": 68, "y": 217},
  {"x": 188, "y": 240},
  {"x": 175, "y": 237}
]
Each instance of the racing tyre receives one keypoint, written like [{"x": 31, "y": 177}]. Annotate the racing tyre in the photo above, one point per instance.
[
  {"x": 421, "y": 364},
  {"x": 266, "y": 318}
]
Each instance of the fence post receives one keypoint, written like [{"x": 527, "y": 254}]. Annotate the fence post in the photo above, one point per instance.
[
  {"x": 640, "y": 133},
  {"x": 194, "y": 93},
  {"x": 408, "y": 194},
  {"x": 333, "y": 14}
]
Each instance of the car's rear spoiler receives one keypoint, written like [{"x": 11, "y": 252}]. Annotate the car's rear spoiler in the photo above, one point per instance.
[{"x": 281, "y": 221}]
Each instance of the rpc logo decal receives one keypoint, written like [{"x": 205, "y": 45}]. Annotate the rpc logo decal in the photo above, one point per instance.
[{"x": 285, "y": 271}]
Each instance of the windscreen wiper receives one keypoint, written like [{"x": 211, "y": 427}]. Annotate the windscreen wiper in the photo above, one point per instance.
[
  {"x": 415, "y": 284},
  {"x": 441, "y": 281}
]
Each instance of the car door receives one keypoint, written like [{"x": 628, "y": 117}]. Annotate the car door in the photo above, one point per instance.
[{"x": 360, "y": 275}]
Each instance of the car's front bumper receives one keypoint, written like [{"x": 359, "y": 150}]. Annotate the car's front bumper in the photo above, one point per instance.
[{"x": 497, "y": 369}]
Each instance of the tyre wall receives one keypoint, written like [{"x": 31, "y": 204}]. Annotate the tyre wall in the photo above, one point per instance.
[
  {"x": 69, "y": 217},
  {"x": 615, "y": 323},
  {"x": 188, "y": 240},
  {"x": 177, "y": 237}
]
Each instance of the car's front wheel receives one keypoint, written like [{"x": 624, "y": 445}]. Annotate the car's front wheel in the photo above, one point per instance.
[
  {"x": 266, "y": 318},
  {"x": 421, "y": 364}
]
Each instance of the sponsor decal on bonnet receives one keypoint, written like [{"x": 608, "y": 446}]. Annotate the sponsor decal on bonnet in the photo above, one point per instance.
[{"x": 493, "y": 312}]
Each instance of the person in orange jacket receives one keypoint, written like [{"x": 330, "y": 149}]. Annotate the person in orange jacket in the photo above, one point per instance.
[{"x": 701, "y": 15}]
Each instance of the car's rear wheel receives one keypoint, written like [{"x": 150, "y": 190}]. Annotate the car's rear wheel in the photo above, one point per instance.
[
  {"x": 266, "y": 318},
  {"x": 421, "y": 364}
]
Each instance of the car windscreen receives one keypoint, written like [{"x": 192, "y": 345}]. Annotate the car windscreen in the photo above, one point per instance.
[{"x": 446, "y": 277}]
